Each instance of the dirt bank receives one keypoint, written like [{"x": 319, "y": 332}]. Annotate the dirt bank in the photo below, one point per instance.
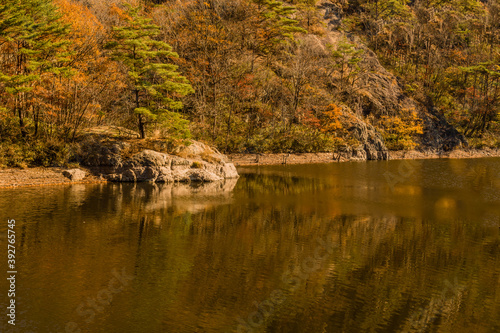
[
  {"x": 306, "y": 158},
  {"x": 39, "y": 177}
]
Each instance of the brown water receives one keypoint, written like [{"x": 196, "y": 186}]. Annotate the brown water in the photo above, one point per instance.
[{"x": 391, "y": 246}]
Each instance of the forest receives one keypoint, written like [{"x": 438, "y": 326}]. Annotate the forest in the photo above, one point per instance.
[{"x": 249, "y": 76}]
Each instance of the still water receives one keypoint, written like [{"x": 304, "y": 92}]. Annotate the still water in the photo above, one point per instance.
[{"x": 389, "y": 246}]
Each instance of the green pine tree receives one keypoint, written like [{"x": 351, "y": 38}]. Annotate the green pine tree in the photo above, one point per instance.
[
  {"x": 346, "y": 58},
  {"x": 11, "y": 20},
  {"x": 155, "y": 85},
  {"x": 37, "y": 40},
  {"x": 278, "y": 25}
]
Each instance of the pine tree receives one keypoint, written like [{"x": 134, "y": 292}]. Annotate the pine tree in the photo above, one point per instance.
[
  {"x": 277, "y": 25},
  {"x": 154, "y": 84},
  {"x": 35, "y": 38},
  {"x": 346, "y": 58},
  {"x": 11, "y": 19}
]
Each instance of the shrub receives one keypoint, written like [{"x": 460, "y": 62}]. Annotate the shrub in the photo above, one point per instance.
[
  {"x": 399, "y": 133},
  {"x": 37, "y": 153},
  {"x": 196, "y": 165}
]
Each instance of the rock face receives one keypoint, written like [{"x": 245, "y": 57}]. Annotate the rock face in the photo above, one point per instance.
[
  {"x": 202, "y": 164},
  {"x": 439, "y": 134},
  {"x": 378, "y": 93},
  {"x": 372, "y": 147},
  {"x": 74, "y": 174},
  {"x": 107, "y": 154}
]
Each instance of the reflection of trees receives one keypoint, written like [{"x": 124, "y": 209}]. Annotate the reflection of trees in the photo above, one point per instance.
[
  {"x": 384, "y": 270},
  {"x": 70, "y": 238},
  {"x": 202, "y": 259},
  {"x": 382, "y": 279}
]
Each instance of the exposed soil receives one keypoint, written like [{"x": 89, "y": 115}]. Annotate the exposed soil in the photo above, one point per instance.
[
  {"x": 306, "y": 158},
  {"x": 39, "y": 177}
]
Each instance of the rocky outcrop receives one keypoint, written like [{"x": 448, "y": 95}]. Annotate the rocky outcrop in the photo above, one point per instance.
[
  {"x": 74, "y": 174},
  {"x": 376, "y": 94},
  {"x": 372, "y": 147},
  {"x": 439, "y": 134},
  {"x": 102, "y": 153},
  {"x": 193, "y": 163}
]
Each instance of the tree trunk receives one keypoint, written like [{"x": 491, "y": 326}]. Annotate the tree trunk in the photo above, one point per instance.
[
  {"x": 21, "y": 119},
  {"x": 140, "y": 116},
  {"x": 141, "y": 127}
]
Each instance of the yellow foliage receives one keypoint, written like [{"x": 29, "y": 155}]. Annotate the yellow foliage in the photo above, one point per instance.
[
  {"x": 115, "y": 10},
  {"x": 84, "y": 24},
  {"x": 400, "y": 132},
  {"x": 331, "y": 121}
]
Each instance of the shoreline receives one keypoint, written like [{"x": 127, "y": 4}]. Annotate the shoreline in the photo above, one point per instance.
[
  {"x": 52, "y": 176},
  {"x": 314, "y": 158},
  {"x": 42, "y": 176}
]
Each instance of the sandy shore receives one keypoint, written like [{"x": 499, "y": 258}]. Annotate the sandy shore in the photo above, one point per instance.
[
  {"x": 306, "y": 158},
  {"x": 39, "y": 177}
]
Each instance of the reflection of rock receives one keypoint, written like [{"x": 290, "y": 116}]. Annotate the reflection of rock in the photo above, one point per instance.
[
  {"x": 184, "y": 197},
  {"x": 74, "y": 174},
  {"x": 77, "y": 194}
]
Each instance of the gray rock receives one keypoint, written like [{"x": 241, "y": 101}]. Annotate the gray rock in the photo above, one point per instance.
[
  {"x": 114, "y": 177},
  {"x": 74, "y": 174},
  {"x": 149, "y": 158},
  {"x": 164, "y": 175},
  {"x": 152, "y": 166},
  {"x": 199, "y": 150},
  {"x": 199, "y": 175},
  {"x": 359, "y": 153},
  {"x": 94, "y": 153},
  {"x": 180, "y": 176},
  {"x": 229, "y": 171},
  {"x": 179, "y": 163},
  {"x": 148, "y": 174},
  {"x": 128, "y": 176}
]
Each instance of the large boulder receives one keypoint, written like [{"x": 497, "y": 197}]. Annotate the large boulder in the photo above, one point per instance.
[
  {"x": 229, "y": 171},
  {"x": 74, "y": 174},
  {"x": 148, "y": 158},
  {"x": 200, "y": 175},
  {"x": 152, "y": 166},
  {"x": 199, "y": 150}
]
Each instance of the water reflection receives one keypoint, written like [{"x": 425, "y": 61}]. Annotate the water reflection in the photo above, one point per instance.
[{"x": 422, "y": 254}]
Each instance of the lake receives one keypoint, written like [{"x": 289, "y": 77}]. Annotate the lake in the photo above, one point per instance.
[{"x": 383, "y": 246}]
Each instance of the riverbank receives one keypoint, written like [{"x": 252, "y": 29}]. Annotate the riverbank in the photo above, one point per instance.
[
  {"x": 41, "y": 177},
  {"x": 308, "y": 158},
  {"x": 54, "y": 176}
]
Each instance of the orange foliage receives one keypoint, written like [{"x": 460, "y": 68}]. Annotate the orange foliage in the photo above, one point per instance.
[
  {"x": 70, "y": 102},
  {"x": 331, "y": 121}
]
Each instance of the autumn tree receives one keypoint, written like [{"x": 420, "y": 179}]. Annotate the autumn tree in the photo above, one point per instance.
[
  {"x": 345, "y": 64},
  {"x": 275, "y": 27},
  {"x": 297, "y": 70},
  {"x": 33, "y": 44},
  {"x": 155, "y": 84},
  {"x": 88, "y": 97},
  {"x": 481, "y": 96}
]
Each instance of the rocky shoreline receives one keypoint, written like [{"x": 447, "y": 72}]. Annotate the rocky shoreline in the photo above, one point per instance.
[
  {"x": 152, "y": 166},
  {"x": 130, "y": 161}
]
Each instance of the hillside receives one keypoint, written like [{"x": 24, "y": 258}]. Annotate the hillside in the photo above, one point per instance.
[{"x": 250, "y": 76}]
